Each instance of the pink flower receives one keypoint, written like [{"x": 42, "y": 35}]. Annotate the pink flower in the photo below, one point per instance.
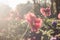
[
  {"x": 29, "y": 17},
  {"x": 45, "y": 11},
  {"x": 42, "y": 10},
  {"x": 34, "y": 22},
  {"x": 38, "y": 23},
  {"x": 59, "y": 16}
]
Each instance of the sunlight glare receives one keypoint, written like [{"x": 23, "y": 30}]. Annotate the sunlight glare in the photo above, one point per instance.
[{"x": 13, "y": 3}]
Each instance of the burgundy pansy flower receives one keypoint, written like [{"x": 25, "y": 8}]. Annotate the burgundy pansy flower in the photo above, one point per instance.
[{"x": 48, "y": 11}]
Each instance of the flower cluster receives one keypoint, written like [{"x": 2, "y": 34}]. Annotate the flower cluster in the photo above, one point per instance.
[{"x": 34, "y": 22}]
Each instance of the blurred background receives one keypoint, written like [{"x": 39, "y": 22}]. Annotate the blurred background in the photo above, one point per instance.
[{"x": 13, "y": 25}]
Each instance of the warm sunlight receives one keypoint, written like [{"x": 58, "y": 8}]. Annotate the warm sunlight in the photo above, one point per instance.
[{"x": 13, "y": 3}]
